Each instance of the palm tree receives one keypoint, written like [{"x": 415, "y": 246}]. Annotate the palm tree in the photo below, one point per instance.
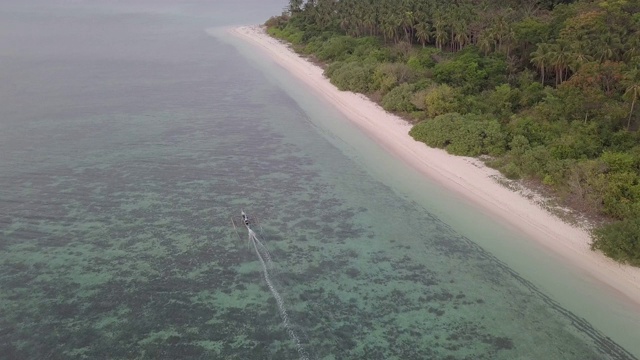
[
  {"x": 509, "y": 39},
  {"x": 608, "y": 46},
  {"x": 396, "y": 21},
  {"x": 423, "y": 32},
  {"x": 369, "y": 21},
  {"x": 459, "y": 37},
  {"x": 541, "y": 58},
  {"x": 462, "y": 38},
  {"x": 325, "y": 10},
  {"x": 499, "y": 30},
  {"x": 441, "y": 35},
  {"x": 485, "y": 43},
  {"x": 388, "y": 30},
  {"x": 632, "y": 48},
  {"x": 408, "y": 20},
  {"x": 633, "y": 91},
  {"x": 295, "y": 6},
  {"x": 559, "y": 56},
  {"x": 578, "y": 57}
]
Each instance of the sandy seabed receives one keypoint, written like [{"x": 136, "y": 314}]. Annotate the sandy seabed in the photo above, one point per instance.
[{"x": 463, "y": 175}]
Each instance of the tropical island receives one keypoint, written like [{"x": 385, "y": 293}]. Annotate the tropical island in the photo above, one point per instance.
[{"x": 544, "y": 91}]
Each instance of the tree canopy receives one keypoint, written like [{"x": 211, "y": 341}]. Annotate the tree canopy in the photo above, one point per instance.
[{"x": 547, "y": 89}]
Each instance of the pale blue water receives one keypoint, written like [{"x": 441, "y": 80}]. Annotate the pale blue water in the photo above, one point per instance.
[{"x": 129, "y": 137}]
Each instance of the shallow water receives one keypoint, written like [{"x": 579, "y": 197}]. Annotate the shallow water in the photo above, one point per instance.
[{"x": 129, "y": 138}]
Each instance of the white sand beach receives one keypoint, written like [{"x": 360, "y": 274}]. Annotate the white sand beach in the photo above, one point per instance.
[{"x": 465, "y": 176}]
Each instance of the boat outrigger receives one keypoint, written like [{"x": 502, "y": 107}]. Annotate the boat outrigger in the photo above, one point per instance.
[{"x": 245, "y": 220}]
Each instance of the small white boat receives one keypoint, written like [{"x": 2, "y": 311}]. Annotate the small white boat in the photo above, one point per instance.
[{"x": 245, "y": 220}]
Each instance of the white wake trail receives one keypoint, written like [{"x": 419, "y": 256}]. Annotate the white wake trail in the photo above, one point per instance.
[
  {"x": 283, "y": 311},
  {"x": 265, "y": 251}
]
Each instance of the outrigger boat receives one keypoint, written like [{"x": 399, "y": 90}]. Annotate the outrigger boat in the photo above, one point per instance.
[{"x": 245, "y": 220}]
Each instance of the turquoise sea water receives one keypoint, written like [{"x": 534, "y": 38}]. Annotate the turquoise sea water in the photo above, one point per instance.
[{"x": 129, "y": 137}]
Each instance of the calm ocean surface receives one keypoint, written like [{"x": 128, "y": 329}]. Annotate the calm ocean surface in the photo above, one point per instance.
[{"x": 129, "y": 137}]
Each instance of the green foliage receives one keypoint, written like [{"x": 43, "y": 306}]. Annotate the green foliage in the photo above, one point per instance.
[
  {"x": 336, "y": 48},
  {"x": 574, "y": 146},
  {"x": 436, "y": 132},
  {"x": 530, "y": 31},
  {"x": 276, "y": 21},
  {"x": 418, "y": 98},
  {"x": 275, "y": 32},
  {"x": 461, "y": 135},
  {"x": 519, "y": 145},
  {"x": 370, "y": 49},
  {"x": 551, "y": 95},
  {"x": 440, "y": 100},
  {"x": 531, "y": 94},
  {"x": 389, "y": 75},
  {"x": 511, "y": 171},
  {"x": 536, "y": 132},
  {"x": 503, "y": 100},
  {"x": 286, "y": 32},
  {"x": 423, "y": 59},
  {"x": 620, "y": 240},
  {"x": 399, "y": 99},
  {"x": 619, "y": 193},
  {"x": 312, "y": 47},
  {"x": 464, "y": 72},
  {"x": 470, "y": 71},
  {"x": 623, "y": 140},
  {"x": 350, "y": 76},
  {"x": 620, "y": 162},
  {"x": 536, "y": 162}
]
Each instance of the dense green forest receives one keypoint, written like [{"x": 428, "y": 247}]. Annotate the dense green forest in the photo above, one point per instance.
[{"x": 544, "y": 90}]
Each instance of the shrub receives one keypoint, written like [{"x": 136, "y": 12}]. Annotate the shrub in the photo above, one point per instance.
[
  {"x": 294, "y": 37},
  {"x": 470, "y": 71},
  {"x": 623, "y": 140},
  {"x": 460, "y": 73},
  {"x": 473, "y": 138},
  {"x": 277, "y": 21},
  {"x": 579, "y": 141},
  {"x": 313, "y": 46},
  {"x": 399, "y": 99},
  {"x": 275, "y": 32},
  {"x": 336, "y": 48},
  {"x": 620, "y": 194},
  {"x": 502, "y": 100},
  {"x": 531, "y": 94},
  {"x": 440, "y": 100},
  {"x": 436, "y": 132},
  {"x": 461, "y": 135},
  {"x": 519, "y": 145},
  {"x": 620, "y": 162},
  {"x": 389, "y": 75},
  {"x": 367, "y": 48},
  {"x": 417, "y": 99},
  {"x": 566, "y": 147},
  {"x": 511, "y": 171},
  {"x": 534, "y": 131},
  {"x": 351, "y": 76},
  {"x": 332, "y": 68},
  {"x": 620, "y": 240},
  {"x": 423, "y": 59},
  {"x": 555, "y": 171},
  {"x": 494, "y": 138},
  {"x": 533, "y": 161},
  {"x": 400, "y": 52}
]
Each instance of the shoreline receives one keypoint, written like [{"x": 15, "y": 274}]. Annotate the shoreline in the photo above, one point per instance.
[{"x": 468, "y": 177}]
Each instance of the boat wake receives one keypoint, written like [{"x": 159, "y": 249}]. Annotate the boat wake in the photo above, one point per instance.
[{"x": 265, "y": 260}]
